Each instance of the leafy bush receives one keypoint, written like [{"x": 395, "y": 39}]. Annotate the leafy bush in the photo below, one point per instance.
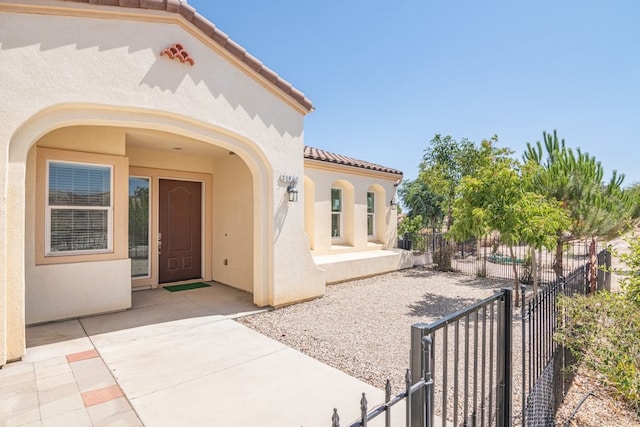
[
  {"x": 603, "y": 330},
  {"x": 410, "y": 225},
  {"x": 631, "y": 282},
  {"x": 442, "y": 257},
  {"x": 526, "y": 273}
]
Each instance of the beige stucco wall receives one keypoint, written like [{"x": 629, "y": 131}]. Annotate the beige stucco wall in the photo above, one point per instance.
[
  {"x": 56, "y": 287},
  {"x": 233, "y": 226},
  {"x": 355, "y": 183},
  {"x": 105, "y": 69},
  {"x": 61, "y": 291},
  {"x": 347, "y": 266}
]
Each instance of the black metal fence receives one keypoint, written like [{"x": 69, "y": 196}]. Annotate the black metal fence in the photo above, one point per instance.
[
  {"x": 461, "y": 369},
  {"x": 489, "y": 257},
  {"x": 471, "y": 364},
  {"x": 464, "y": 361},
  {"x": 415, "y": 391},
  {"x": 545, "y": 378}
]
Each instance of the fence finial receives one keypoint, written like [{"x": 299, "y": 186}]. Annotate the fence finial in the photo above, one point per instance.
[
  {"x": 335, "y": 419},
  {"x": 363, "y": 410}
]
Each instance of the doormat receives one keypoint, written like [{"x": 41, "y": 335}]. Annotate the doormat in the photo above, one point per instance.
[{"x": 177, "y": 288}]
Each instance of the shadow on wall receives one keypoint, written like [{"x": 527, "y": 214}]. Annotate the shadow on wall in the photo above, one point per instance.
[
  {"x": 210, "y": 70},
  {"x": 281, "y": 213}
]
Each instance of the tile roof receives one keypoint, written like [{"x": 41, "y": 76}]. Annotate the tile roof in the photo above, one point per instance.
[
  {"x": 210, "y": 30},
  {"x": 326, "y": 156}
]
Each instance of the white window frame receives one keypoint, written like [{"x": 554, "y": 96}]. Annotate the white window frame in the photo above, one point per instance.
[
  {"x": 49, "y": 209},
  {"x": 371, "y": 216},
  {"x": 337, "y": 213}
]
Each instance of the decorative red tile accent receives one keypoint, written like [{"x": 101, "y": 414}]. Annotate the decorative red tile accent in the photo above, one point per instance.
[
  {"x": 84, "y": 355},
  {"x": 101, "y": 395},
  {"x": 176, "y": 51}
]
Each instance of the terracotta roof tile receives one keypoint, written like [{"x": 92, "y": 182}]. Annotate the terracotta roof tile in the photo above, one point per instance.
[
  {"x": 210, "y": 30},
  {"x": 326, "y": 156}
]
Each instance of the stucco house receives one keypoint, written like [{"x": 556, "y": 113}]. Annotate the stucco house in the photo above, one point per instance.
[{"x": 140, "y": 146}]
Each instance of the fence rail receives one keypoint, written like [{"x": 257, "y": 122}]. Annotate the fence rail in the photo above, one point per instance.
[
  {"x": 462, "y": 363},
  {"x": 489, "y": 257},
  {"x": 545, "y": 362},
  {"x": 480, "y": 382},
  {"x": 421, "y": 387}
]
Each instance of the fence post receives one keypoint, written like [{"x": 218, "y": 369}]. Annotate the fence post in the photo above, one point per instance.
[
  {"x": 523, "y": 333},
  {"x": 428, "y": 374},
  {"x": 504, "y": 362},
  {"x": 607, "y": 276},
  {"x": 419, "y": 399}
]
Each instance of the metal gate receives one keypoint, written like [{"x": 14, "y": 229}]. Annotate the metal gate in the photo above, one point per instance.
[
  {"x": 461, "y": 366},
  {"x": 460, "y": 369}
]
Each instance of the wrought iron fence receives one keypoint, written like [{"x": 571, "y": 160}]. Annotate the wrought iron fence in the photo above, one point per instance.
[
  {"x": 489, "y": 257},
  {"x": 471, "y": 356},
  {"x": 420, "y": 388},
  {"x": 545, "y": 362},
  {"x": 464, "y": 362},
  {"x": 477, "y": 372}
]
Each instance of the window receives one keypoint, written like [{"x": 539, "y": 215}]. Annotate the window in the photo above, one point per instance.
[
  {"x": 79, "y": 208},
  {"x": 139, "y": 226},
  {"x": 336, "y": 210},
  {"x": 370, "y": 213}
]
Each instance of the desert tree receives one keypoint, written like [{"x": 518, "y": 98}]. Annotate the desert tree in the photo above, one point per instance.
[
  {"x": 496, "y": 198},
  {"x": 576, "y": 180},
  {"x": 444, "y": 163}
]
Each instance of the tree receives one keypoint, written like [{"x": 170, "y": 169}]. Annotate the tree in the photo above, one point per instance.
[
  {"x": 444, "y": 164},
  {"x": 634, "y": 195},
  {"x": 496, "y": 198},
  {"x": 575, "y": 179},
  {"x": 420, "y": 201}
]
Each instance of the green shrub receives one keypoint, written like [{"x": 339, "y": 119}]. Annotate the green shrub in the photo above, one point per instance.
[
  {"x": 631, "y": 282},
  {"x": 526, "y": 273},
  {"x": 442, "y": 257},
  {"x": 603, "y": 330}
]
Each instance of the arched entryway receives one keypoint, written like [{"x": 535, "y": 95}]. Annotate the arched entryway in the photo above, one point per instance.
[{"x": 134, "y": 150}]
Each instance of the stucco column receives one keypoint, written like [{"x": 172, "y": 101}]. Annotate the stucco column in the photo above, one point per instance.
[
  {"x": 14, "y": 247},
  {"x": 3, "y": 252}
]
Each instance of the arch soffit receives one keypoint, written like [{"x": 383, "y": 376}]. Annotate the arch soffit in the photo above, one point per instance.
[
  {"x": 66, "y": 115},
  {"x": 343, "y": 183}
]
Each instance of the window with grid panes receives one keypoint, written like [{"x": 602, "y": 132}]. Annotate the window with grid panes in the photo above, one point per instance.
[
  {"x": 336, "y": 212},
  {"x": 79, "y": 208}
]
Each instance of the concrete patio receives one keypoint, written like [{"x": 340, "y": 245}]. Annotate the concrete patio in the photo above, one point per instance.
[{"x": 173, "y": 359}]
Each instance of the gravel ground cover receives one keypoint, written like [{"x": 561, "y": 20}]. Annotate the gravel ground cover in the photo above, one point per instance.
[{"x": 362, "y": 328}]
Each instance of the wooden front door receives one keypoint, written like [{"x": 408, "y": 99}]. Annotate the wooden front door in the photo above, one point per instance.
[{"x": 180, "y": 226}]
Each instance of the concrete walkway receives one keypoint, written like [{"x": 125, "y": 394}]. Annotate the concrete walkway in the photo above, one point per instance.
[{"x": 173, "y": 359}]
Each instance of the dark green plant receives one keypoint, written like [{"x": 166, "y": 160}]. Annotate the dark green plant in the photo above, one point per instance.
[
  {"x": 596, "y": 208},
  {"x": 442, "y": 256},
  {"x": 603, "y": 331},
  {"x": 630, "y": 283},
  {"x": 526, "y": 274}
]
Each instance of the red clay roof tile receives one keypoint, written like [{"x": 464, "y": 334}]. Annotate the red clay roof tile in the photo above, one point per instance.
[{"x": 326, "y": 156}]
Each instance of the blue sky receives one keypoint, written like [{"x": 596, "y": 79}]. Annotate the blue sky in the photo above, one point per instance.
[{"x": 386, "y": 76}]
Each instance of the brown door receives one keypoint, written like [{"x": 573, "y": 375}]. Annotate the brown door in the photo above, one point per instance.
[{"x": 179, "y": 242}]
